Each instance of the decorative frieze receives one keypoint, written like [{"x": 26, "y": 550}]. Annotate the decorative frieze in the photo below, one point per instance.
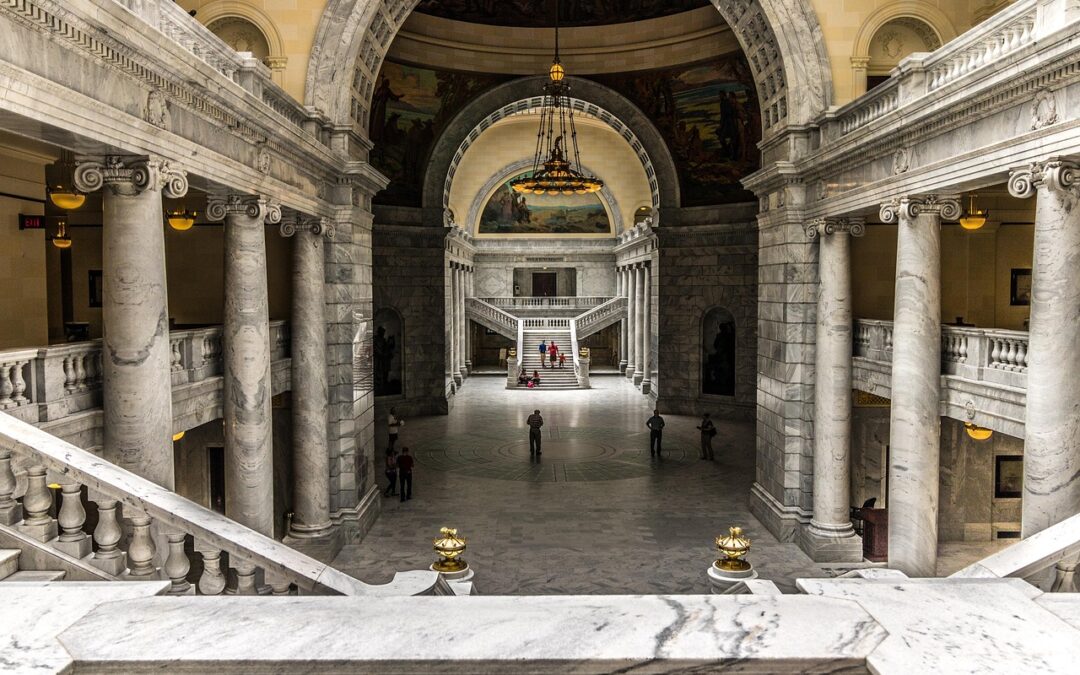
[{"x": 131, "y": 176}]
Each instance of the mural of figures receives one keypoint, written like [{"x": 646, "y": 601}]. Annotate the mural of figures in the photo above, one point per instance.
[
  {"x": 510, "y": 212},
  {"x": 718, "y": 353},
  {"x": 541, "y": 13},
  {"x": 386, "y": 348},
  {"x": 708, "y": 114}
]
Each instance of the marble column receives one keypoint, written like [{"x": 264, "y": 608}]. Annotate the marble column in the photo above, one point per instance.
[
  {"x": 915, "y": 422},
  {"x": 249, "y": 456},
  {"x": 645, "y": 346},
  {"x": 1052, "y": 428},
  {"x": 639, "y": 323},
  {"x": 461, "y": 323},
  {"x": 830, "y": 537},
  {"x": 310, "y": 398},
  {"x": 135, "y": 346},
  {"x": 469, "y": 278},
  {"x": 452, "y": 332},
  {"x": 631, "y": 324},
  {"x": 620, "y": 291}
]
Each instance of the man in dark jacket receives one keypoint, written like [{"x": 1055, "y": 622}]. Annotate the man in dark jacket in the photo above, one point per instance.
[
  {"x": 535, "y": 421},
  {"x": 404, "y": 469},
  {"x": 656, "y": 432}
]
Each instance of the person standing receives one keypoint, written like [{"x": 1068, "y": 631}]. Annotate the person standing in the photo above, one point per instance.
[
  {"x": 391, "y": 473},
  {"x": 543, "y": 352},
  {"x": 708, "y": 430},
  {"x": 535, "y": 421},
  {"x": 393, "y": 425},
  {"x": 656, "y": 432},
  {"x": 405, "y": 467},
  {"x": 553, "y": 353},
  {"x": 562, "y": 360}
]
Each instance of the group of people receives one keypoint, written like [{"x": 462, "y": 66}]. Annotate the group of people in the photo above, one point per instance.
[
  {"x": 527, "y": 380},
  {"x": 399, "y": 467},
  {"x": 553, "y": 355},
  {"x": 655, "y": 425}
]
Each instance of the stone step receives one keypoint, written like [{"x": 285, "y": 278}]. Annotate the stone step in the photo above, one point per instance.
[
  {"x": 37, "y": 576},
  {"x": 9, "y": 562}
]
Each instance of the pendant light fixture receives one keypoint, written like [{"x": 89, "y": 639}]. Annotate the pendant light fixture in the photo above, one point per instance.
[
  {"x": 181, "y": 220},
  {"x": 555, "y": 171},
  {"x": 61, "y": 239},
  {"x": 61, "y": 189},
  {"x": 973, "y": 218}
]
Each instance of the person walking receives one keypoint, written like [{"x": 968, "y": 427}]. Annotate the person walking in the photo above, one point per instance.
[
  {"x": 656, "y": 432},
  {"x": 708, "y": 430},
  {"x": 405, "y": 467},
  {"x": 535, "y": 421},
  {"x": 553, "y": 353},
  {"x": 393, "y": 425},
  {"x": 543, "y": 352},
  {"x": 391, "y": 473},
  {"x": 562, "y": 360}
]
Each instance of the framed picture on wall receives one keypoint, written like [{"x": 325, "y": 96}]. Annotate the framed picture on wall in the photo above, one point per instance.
[
  {"x": 1008, "y": 476},
  {"x": 96, "y": 288},
  {"x": 1020, "y": 287}
]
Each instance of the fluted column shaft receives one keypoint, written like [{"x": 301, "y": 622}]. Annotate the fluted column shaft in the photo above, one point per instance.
[
  {"x": 620, "y": 291},
  {"x": 136, "y": 355},
  {"x": 915, "y": 422},
  {"x": 249, "y": 458},
  {"x": 311, "y": 458},
  {"x": 833, "y": 380},
  {"x": 639, "y": 323},
  {"x": 631, "y": 323},
  {"x": 1052, "y": 428}
]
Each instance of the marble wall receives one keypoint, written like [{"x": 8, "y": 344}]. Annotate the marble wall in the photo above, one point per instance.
[
  {"x": 698, "y": 268},
  {"x": 22, "y": 275}
]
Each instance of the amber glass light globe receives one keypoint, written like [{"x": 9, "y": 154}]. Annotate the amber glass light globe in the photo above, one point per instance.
[
  {"x": 557, "y": 72},
  {"x": 66, "y": 199},
  {"x": 181, "y": 221},
  {"x": 977, "y": 433}
]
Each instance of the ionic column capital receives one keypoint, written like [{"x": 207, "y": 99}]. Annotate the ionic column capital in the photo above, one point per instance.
[
  {"x": 856, "y": 227},
  {"x": 292, "y": 222},
  {"x": 130, "y": 176},
  {"x": 945, "y": 206},
  {"x": 1059, "y": 175},
  {"x": 258, "y": 207}
]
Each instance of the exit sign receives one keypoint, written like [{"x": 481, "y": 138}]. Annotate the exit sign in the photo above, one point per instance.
[{"x": 31, "y": 222}]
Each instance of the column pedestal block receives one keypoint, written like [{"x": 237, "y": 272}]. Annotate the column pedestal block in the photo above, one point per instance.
[
  {"x": 323, "y": 548},
  {"x": 824, "y": 548},
  {"x": 724, "y": 582}
]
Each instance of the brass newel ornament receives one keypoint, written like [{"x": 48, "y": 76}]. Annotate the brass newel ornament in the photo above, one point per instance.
[
  {"x": 732, "y": 550},
  {"x": 450, "y": 546}
]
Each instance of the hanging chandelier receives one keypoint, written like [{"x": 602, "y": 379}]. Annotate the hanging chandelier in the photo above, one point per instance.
[{"x": 554, "y": 171}]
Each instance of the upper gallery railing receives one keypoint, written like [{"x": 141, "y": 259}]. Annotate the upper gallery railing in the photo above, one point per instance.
[
  {"x": 992, "y": 355},
  {"x": 144, "y": 504},
  {"x": 921, "y": 74},
  {"x": 586, "y": 324},
  {"x": 582, "y": 302},
  {"x": 49, "y": 383}
]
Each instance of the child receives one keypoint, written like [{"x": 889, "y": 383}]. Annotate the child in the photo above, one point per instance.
[{"x": 562, "y": 360}]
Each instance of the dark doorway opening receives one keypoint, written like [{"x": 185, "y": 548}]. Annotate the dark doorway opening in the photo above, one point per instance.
[
  {"x": 545, "y": 284},
  {"x": 215, "y": 460}
]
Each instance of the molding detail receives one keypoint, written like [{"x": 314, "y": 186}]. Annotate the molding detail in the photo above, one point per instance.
[
  {"x": 156, "y": 110},
  {"x": 901, "y": 161},
  {"x": 909, "y": 208},
  {"x": 317, "y": 226},
  {"x": 131, "y": 176},
  {"x": 262, "y": 161},
  {"x": 1058, "y": 175},
  {"x": 1043, "y": 109},
  {"x": 856, "y": 227},
  {"x": 220, "y": 206}
]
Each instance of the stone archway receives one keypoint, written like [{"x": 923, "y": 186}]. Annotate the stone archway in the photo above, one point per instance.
[{"x": 782, "y": 40}]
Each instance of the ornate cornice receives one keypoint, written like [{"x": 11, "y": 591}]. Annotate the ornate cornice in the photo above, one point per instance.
[
  {"x": 856, "y": 227},
  {"x": 131, "y": 176},
  {"x": 909, "y": 208},
  {"x": 220, "y": 206},
  {"x": 1058, "y": 175}
]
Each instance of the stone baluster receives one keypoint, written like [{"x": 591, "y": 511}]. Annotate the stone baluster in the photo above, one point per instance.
[
  {"x": 141, "y": 548},
  {"x": 10, "y": 510},
  {"x": 69, "y": 373},
  {"x": 830, "y": 537},
  {"x": 38, "y": 500},
  {"x": 310, "y": 399},
  {"x": 18, "y": 384},
  {"x": 81, "y": 383},
  {"x": 249, "y": 479},
  {"x": 177, "y": 564},
  {"x": 5, "y": 386},
  {"x": 108, "y": 558},
  {"x": 631, "y": 323},
  {"x": 137, "y": 378},
  {"x": 279, "y": 583},
  {"x": 245, "y": 576},
  {"x": 211, "y": 581},
  {"x": 1052, "y": 433},
  {"x": 72, "y": 518},
  {"x": 915, "y": 422}
]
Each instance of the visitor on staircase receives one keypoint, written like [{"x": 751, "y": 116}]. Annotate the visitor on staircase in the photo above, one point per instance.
[
  {"x": 543, "y": 351},
  {"x": 553, "y": 353}
]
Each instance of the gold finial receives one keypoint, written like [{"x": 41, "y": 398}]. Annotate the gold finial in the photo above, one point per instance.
[
  {"x": 733, "y": 548},
  {"x": 450, "y": 546}
]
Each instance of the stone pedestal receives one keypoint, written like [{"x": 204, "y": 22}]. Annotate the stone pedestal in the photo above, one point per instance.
[
  {"x": 724, "y": 581},
  {"x": 460, "y": 582},
  {"x": 829, "y": 537},
  {"x": 136, "y": 355},
  {"x": 1052, "y": 432},
  {"x": 249, "y": 458},
  {"x": 915, "y": 422}
]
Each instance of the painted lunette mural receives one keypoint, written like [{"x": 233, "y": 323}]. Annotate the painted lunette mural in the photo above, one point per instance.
[
  {"x": 706, "y": 112},
  {"x": 541, "y": 13},
  {"x": 510, "y": 212}
]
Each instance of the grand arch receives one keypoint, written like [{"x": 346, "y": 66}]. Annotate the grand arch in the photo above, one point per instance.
[
  {"x": 781, "y": 38},
  {"x": 518, "y": 95}
]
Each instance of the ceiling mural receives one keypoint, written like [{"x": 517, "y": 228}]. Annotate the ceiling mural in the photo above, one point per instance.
[
  {"x": 541, "y": 13},
  {"x": 706, "y": 112},
  {"x": 510, "y": 212}
]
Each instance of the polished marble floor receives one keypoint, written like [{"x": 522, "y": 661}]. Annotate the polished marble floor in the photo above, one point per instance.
[{"x": 595, "y": 515}]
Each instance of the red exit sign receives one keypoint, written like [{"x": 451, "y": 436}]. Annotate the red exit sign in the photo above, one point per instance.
[{"x": 31, "y": 222}]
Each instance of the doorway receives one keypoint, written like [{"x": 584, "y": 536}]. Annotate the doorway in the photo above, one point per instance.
[
  {"x": 544, "y": 284},
  {"x": 215, "y": 460}
]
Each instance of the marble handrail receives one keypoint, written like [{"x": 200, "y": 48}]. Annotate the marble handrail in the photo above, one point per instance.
[
  {"x": 586, "y": 324},
  {"x": 1060, "y": 542},
  {"x": 1002, "y": 34},
  {"x": 492, "y": 313},
  {"x": 563, "y": 302},
  {"x": 145, "y": 502}
]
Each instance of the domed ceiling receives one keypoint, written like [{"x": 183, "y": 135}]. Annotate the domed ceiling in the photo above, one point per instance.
[{"x": 541, "y": 13}]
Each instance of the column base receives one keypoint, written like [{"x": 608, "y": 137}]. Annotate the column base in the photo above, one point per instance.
[
  {"x": 622, "y": 367},
  {"x": 828, "y": 545},
  {"x": 468, "y": 368},
  {"x": 323, "y": 547},
  {"x": 464, "y": 373},
  {"x": 457, "y": 381},
  {"x": 646, "y": 386},
  {"x": 782, "y": 521},
  {"x": 639, "y": 377},
  {"x": 629, "y": 372}
]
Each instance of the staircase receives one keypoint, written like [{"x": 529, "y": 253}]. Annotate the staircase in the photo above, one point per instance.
[
  {"x": 559, "y": 378},
  {"x": 10, "y": 570}
]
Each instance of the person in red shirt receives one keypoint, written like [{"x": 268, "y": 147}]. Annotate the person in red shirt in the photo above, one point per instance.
[
  {"x": 404, "y": 468},
  {"x": 553, "y": 353}
]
